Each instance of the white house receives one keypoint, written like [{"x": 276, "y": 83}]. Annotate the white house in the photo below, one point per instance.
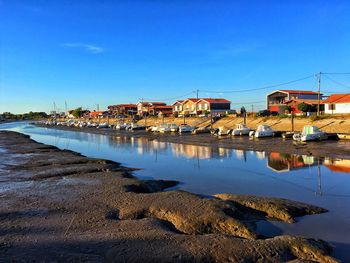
[{"x": 337, "y": 104}]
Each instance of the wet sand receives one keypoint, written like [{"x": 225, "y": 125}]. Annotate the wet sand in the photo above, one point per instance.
[
  {"x": 57, "y": 205},
  {"x": 328, "y": 148}
]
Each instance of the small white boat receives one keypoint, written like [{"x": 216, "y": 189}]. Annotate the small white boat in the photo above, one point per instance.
[
  {"x": 82, "y": 124},
  {"x": 263, "y": 130},
  {"x": 184, "y": 128},
  {"x": 103, "y": 125},
  {"x": 310, "y": 133},
  {"x": 162, "y": 128},
  {"x": 173, "y": 127},
  {"x": 152, "y": 129},
  {"x": 223, "y": 131},
  {"x": 241, "y": 129}
]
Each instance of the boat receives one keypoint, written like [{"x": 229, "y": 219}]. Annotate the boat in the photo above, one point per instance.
[
  {"x": 136, "y": 127},
  {"x": 153, "y": 128},
  {"x": 343, "y": 136},
  {"x": 310, "y": 133},
  {"x": 201, "y": 130},
  {"x": 223, "y": 131},
  {"x": 162, "y": 128},
  {"x": 173, "y": 127},
  {"x": 241, "y": 129},
  {"x": 263, "y": 130},
  {"x": 184, "y": 128},
  {"x": 82, "y": 124},
  {"x": 288, "y": 135},
  {"x": 103, "y": 125}
]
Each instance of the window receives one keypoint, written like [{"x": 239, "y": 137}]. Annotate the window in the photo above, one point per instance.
[
  {"x": 205, "y": 106},
  {"x": 200, "y": 106},
  {"x": 331, "y": 106}
]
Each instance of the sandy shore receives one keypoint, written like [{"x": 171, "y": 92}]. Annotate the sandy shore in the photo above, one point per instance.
[
  {"x": 329, "y": 148},
  {"x": 57, "y": 205}
]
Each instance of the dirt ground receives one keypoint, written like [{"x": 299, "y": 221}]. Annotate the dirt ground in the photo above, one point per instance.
[{"x": 60, "y": 206}]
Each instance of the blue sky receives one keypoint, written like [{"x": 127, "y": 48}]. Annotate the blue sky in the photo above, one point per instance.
[{"x": 109, "y": 52}]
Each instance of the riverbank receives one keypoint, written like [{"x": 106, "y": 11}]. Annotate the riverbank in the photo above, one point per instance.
[
  {"x": 329, "y": 148},
  {"x": 59, "y": 205}
]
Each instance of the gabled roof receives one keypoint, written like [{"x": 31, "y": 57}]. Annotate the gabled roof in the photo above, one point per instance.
[
  {"x": 338, "y": 98},
  {"x": 191, "y": 99},
  {"x": 178, "y": 101},
  {"x": 151, "y": 103},
  {"x": 290, "y": 91},
  {"x": 218, "y": 100}
]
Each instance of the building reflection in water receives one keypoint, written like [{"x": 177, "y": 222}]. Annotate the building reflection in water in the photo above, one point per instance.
[
  {"x": 281, "y": 162},
  {"x": 199, "y": 152},
  {"x": 337, "y": 165}
]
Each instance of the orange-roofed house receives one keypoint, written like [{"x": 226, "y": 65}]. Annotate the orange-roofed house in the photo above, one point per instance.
[
  {"x": 98, "y": 114},
  {"x": 213, "y": 106},
  {"x": 123, "y": 109},
  {"x": 277, "y": 101},
  {"x": 147, "y": 108},
  {"x": 189, "y": 106},
  {"x": 337, "y": 104},
  {"x": 177, "y": 106}
]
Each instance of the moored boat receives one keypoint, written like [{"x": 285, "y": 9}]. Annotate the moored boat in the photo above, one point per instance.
[
  {"x": 263, "y": 130},
  {"x": 241, "y": 129},
  {"x": 310, "y": 133}
]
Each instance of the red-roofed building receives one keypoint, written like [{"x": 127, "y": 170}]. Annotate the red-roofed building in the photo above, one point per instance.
[
  {"x": 210, "y": 105},
  {"x": 164, "y": 110},
  {"x": 123, "y": 109},
  {"x": 194, "y": 106},
  {"x": 177, "y": 106},
  {"x": 98, "y": 114},
  {"x": 147, "y": 108},
  {"x": 338, "y": 104},
  {"x": 277, "y": 101}
]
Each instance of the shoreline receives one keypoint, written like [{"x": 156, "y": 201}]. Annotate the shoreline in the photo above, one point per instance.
[
  {"x": 77, "y": 208},
  {"x": 329, "y": 148}
]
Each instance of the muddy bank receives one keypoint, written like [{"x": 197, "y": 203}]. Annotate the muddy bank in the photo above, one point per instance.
[
  {"x": 329, "y": 148},
  {"x": 62, "y": 206}
]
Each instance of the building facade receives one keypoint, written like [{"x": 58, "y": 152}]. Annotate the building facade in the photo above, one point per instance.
[
  {"x": 277, "y": 101},
  {"x": 337, "y": 104}
]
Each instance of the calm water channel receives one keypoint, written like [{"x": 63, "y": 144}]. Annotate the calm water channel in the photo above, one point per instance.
[{"x": 205, "y": 170}]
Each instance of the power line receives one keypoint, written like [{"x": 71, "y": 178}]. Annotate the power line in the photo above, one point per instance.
[
  {"x": 336, "y": 73},
  {"x": 173, "y": 98},
  {"x": 337, "y": 82},
  {"x": 266, "y": 87},
  {"x": 251, "y": 102}
]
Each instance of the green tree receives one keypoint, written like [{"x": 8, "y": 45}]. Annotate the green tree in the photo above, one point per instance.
[
  {"x": 78, "y": 112},
  {"x": 304, "y": 107}
]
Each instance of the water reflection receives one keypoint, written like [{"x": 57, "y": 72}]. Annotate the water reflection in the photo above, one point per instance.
[
  {"x": 282, "y": 162},
  {"x": 208, "y": 170}
]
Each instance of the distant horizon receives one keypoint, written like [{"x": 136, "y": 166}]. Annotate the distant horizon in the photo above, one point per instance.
[{"x": 109, "y": 53}]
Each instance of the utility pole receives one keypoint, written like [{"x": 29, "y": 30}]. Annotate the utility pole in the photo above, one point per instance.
[
  {"x": 319, "y": 94},
  {"x": 98, "y": 107},
  {"x": 197, "y": 93},
  {"x": 252, "y": 108}
]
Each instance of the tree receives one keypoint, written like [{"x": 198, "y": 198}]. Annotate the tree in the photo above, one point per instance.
[
  {"x": 243, "y": 110},
  {"x": 78, "y": 112},
  {"x": 304, "y": 107}
]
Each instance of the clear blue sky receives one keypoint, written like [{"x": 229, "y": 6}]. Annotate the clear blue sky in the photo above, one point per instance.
[{"x": 109, "y": 52}]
